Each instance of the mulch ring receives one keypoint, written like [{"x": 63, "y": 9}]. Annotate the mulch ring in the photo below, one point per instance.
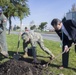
[{"x": 20, "y": 67}]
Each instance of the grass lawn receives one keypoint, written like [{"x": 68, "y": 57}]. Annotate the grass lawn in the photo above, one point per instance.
[{"x": 54, "y": 47}]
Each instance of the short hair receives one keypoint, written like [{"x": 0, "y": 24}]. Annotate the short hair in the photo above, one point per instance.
[
  {"x": 25, "y": 27},
  {"x": 55, "y": 21}
]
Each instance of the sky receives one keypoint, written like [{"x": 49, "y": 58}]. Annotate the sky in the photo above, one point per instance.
[{"x": 45, "y": 11}]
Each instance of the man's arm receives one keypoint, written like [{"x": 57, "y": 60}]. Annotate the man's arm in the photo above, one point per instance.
[{"x": 67, "y": 44}]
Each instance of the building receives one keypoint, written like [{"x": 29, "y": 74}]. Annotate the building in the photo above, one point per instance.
[{"x": 71, "y": 15}]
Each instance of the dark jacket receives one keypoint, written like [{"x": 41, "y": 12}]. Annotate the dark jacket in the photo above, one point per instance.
[{"x": 70, "y": 26}]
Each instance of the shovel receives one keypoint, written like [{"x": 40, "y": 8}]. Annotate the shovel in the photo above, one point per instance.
[
  {"x": 57, "y": 56},
  {"x": 17, "y": 55}
]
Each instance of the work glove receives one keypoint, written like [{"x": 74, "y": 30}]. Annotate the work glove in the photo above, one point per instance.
[{"x": 52, "y": 57}]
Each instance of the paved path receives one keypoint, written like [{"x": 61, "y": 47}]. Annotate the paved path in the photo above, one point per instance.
[{"x": 53, "y": 37}]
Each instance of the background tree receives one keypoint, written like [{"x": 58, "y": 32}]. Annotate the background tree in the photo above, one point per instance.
[
  {"x": 33, "y": 27},
  {"x": 17, "y": 27},
  {"x": 42, "y": 25},
  {"x": 15, "y": 8}
]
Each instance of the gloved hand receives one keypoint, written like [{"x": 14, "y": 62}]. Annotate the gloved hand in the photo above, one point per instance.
[
  {"x": 66, "y": 48},
  {"x": 52, "y": 57}
]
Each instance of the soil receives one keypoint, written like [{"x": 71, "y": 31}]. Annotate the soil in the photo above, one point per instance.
[{"x": 23, "y": 67}]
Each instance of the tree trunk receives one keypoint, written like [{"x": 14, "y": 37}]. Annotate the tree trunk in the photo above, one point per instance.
[{"x": 9, "y": 25}]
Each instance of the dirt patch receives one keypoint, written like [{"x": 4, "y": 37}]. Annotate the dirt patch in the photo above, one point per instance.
[{"x": 20, "y": 67}]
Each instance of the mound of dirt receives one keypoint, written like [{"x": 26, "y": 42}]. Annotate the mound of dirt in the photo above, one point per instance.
[{"x": 19, "y": 67}]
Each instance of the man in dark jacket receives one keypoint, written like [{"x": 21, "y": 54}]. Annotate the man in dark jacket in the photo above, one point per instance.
[
  {"x": 3, "y": 44},
  {"x": 67, "y": 33}
]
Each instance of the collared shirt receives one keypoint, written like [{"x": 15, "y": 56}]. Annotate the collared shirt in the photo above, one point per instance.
[{"x": 66, "y": 33}]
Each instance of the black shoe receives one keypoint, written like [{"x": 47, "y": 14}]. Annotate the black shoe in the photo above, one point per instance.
[{"x": 35, "y": 61}]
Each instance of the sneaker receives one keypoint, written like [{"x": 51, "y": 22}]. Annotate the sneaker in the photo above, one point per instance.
[
  {"x": 35, "y": 61},
  {"x": 25, "y": 55},
  {"x": 5, "y": 54}
]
